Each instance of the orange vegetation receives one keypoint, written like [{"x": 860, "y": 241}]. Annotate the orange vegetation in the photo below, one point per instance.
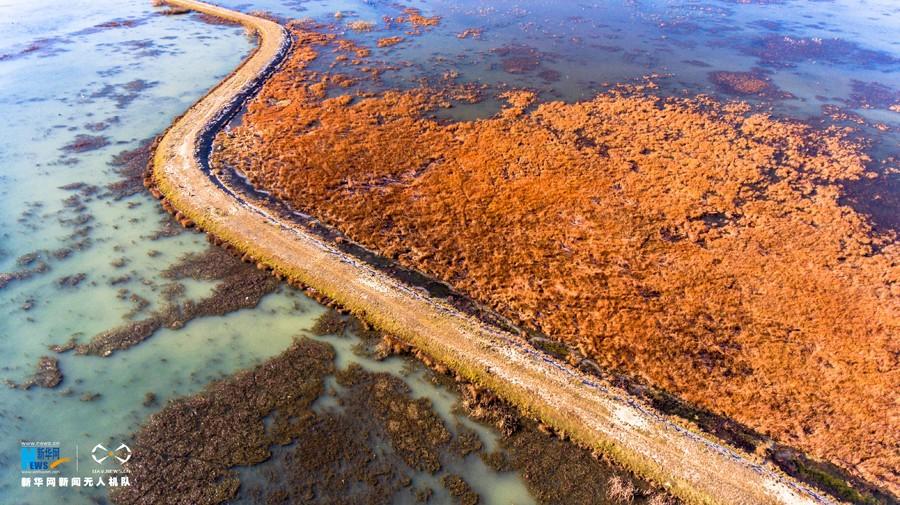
[
  {"x": 351, "y": 47},
  {"x": 389, "y": 41},
  {"x": 416, "y": 19},
  {"x": 686, "y": 241},
  {"x": 741, "y": 82},
  {"x": 746, "y": 83}
]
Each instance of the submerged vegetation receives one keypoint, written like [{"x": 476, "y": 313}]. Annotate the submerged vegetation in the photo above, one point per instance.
[
  {"x": 239, "y": 286},
  {"x": 370, "y": 445}
]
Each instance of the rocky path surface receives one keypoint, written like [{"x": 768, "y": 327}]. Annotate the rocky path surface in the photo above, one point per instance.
[{"x": 691, "y": 465}]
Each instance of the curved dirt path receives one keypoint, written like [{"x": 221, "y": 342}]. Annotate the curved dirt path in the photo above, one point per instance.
[{"x": 689, "y": 464}]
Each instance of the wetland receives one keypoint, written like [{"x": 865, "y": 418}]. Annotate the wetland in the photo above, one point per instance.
[{"x": 733, "y": 260}]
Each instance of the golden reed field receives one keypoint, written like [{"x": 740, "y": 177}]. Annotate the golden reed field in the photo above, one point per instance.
[{"x": 693, "y": 243}]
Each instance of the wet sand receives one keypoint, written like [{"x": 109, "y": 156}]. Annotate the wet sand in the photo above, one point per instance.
[{"x": 596, "y": 414}]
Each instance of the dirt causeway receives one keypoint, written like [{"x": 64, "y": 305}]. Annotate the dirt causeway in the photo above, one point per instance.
[
  {"x": 591, "y": 410},
  {"x": 689, "y": 242}
]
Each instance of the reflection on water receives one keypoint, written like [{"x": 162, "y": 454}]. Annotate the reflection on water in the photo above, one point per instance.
[{"x": 83, "y": 81}]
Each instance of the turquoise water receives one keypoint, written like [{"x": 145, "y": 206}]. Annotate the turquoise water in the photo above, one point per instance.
[
  {"x": 78, "y": 76},
  {"x": 47, "y": 97},
  {"x": 62, "y": 75}
]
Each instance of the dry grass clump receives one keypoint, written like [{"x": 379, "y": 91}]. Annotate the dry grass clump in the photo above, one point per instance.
[
  {"x": 415, "y": 18},
  {"x": 659, "y": 499},
  {"x": 389, "y": 41},
  {"x": 361, "y": 26},
  {"x": 693, "y": 243},
  {"x": 619, "y": 490}
]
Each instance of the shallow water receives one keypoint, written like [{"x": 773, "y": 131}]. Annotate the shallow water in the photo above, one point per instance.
[
  {"x": 79, "y": 75},
  {"x": 47, "y": 96},
  {"x": 494, "y": 488},
  {"x": 591, "y": 43},
  {"x": 61, "y": 75}
]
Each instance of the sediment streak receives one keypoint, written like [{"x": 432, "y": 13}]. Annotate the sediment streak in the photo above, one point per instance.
[{"x": 600, "y": 415}]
